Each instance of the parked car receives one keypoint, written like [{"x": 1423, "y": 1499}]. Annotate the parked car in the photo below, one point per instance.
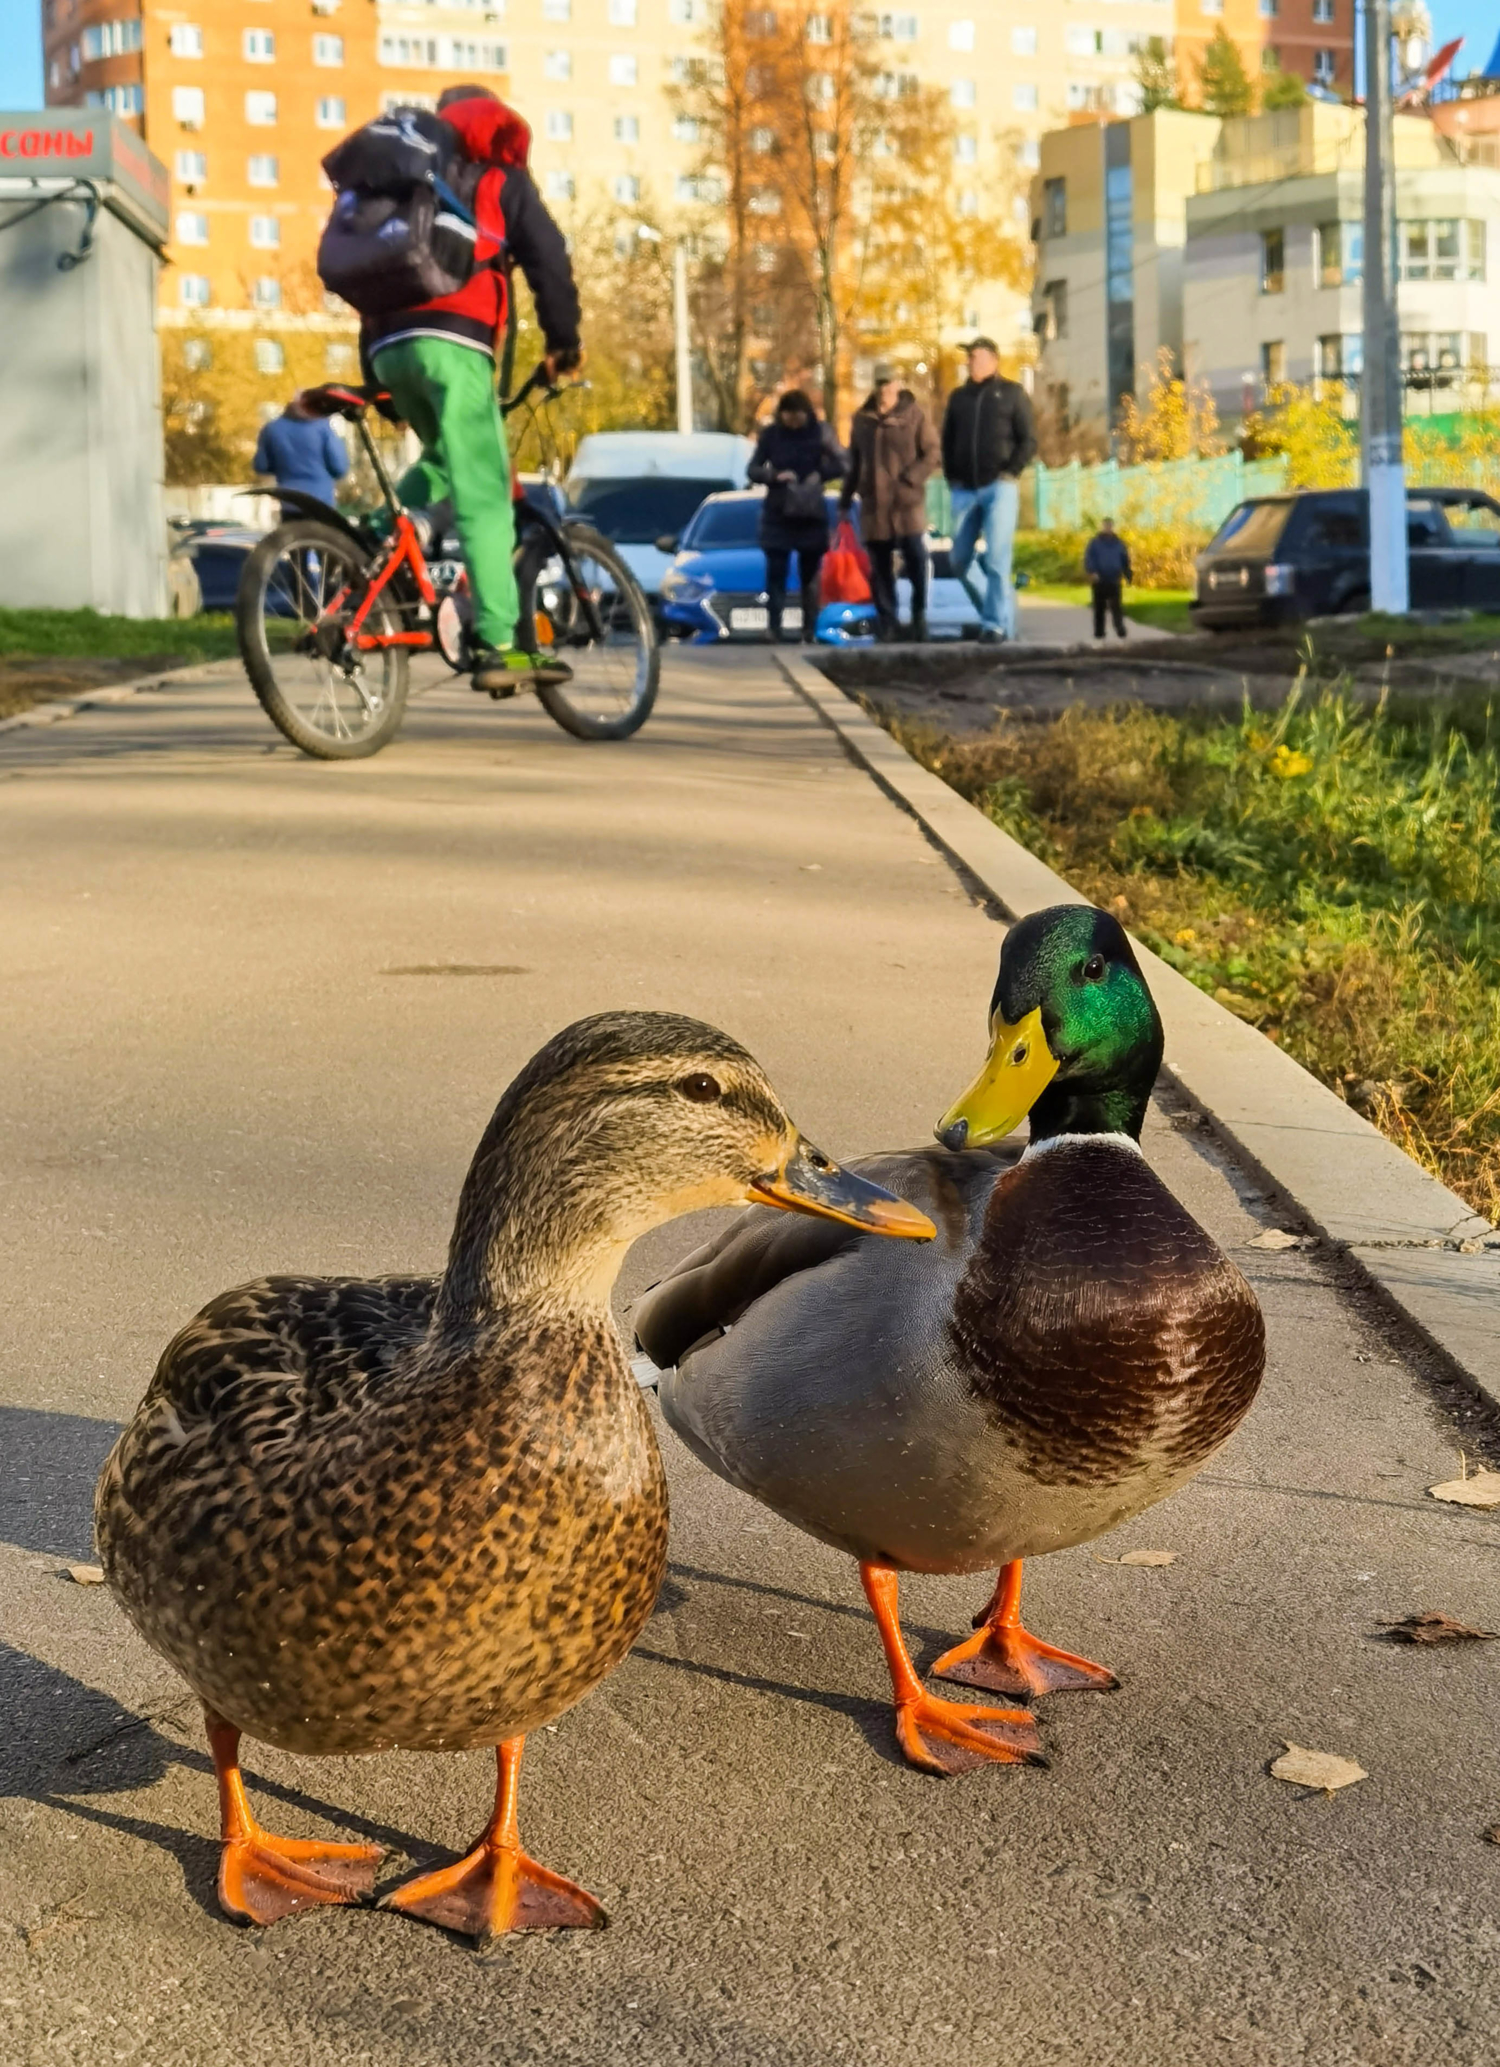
[
  {"x": 715, "y": 588},
  {"x": 218, "y": 551},
  {"x": 639, "y": 487},
  {"x": 1287, "y": 557}
]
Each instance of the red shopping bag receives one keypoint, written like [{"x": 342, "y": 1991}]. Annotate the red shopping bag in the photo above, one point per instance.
[{"x": 845, "y": 574}]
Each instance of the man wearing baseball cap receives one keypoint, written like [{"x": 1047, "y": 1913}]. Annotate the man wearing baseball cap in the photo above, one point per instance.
[{"x": 989, "y": 438}]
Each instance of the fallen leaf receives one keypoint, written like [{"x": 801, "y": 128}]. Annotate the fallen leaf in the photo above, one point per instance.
[
  {"x": 1303, "y": 1768},
  {"x": 1481, "y": 1489},
  {"x": 1435, "y": 1629},
  {"x": 1492, "y": 1835},
  {"x": 85, "y": 1575},
  {"x": 1148, "y": 1557},
  {"x": 1278, "y": 1238}
]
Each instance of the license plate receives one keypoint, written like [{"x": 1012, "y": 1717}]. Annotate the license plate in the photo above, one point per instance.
[{"x": 748, "y": 620}]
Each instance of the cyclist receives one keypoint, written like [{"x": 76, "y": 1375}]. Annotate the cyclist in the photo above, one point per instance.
[{"x": 438, "y": 361}]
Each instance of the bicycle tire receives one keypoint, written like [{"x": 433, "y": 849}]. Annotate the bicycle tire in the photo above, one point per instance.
[
  {"x": 562, "y": 701},
  {"x": 337, "y": 742}
]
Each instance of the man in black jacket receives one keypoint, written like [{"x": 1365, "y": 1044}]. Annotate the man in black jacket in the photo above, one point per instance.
[{"x": 989, "y": 438}]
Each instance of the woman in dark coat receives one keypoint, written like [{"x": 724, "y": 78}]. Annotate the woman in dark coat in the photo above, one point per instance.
[{"x": 794, "y": 455}]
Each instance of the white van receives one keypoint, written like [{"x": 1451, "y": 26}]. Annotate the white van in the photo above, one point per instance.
[{"x": 638, "y": 487}]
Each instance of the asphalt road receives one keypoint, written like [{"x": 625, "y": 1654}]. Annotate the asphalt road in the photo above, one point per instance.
[{"x": 218, "y": 1061}]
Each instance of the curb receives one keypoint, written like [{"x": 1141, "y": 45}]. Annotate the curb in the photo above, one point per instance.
[
  {"x": 1418, "y": 1245},
  {"x": 56, "y": 709}
]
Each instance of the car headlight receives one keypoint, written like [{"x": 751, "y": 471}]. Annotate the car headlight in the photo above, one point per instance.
[
  {"x": 685, "y": 588},
  {"x": 1280, "y": 581}
]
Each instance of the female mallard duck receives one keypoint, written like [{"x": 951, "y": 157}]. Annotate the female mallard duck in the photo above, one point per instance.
[
  {"x": 1071, "y": 1348},
  {"x": 429, "y": 1514}
]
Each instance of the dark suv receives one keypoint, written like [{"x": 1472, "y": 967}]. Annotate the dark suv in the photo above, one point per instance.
[{"x": 1293, "y": 556}]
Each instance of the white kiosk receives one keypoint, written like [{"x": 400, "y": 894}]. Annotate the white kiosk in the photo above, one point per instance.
[{"x": 83, "y": 220}]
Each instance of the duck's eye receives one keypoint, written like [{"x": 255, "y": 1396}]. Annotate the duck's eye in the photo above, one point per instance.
[
  {"x": 1093, "y": 969},
  {"x": 701, "y": 1088}
]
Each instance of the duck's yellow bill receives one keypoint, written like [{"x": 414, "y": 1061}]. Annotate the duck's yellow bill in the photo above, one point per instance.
[
  {"x": 1018, "y": 1071},
  {"x": 809, "y": 1182}
]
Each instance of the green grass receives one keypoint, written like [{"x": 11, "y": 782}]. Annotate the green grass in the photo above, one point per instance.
[
  {"x": 1165, "y": 610},
  {"x": 1331, "y": 874},
  {"x": 86, "y": 635}
]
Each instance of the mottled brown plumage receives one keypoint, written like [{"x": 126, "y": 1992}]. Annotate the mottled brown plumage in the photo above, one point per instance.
[{"x": 430, "y": 1514}]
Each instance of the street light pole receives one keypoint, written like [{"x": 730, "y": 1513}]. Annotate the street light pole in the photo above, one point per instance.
[
  {"x": 682, "y": 339},
  {"x": 1381, "y": 407}
]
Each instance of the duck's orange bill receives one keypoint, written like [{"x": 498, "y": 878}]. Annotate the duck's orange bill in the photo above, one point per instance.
[{"x": 808, "y": 1182}]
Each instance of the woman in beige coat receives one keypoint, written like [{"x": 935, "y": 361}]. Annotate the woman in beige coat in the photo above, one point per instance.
[{"x": 893, "y": 448}]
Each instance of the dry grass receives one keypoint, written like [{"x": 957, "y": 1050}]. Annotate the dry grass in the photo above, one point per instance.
[{"x": 1331, "y": 875}]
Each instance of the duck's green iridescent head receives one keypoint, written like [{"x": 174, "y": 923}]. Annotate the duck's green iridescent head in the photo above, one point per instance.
[{"x": 1076, "y": 1040}]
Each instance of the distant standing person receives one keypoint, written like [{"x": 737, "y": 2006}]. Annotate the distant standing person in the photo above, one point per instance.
[
  {"x": 892, "y": 450},
  {"x": 794, "y": 456},
  {"x": 989, "y": 439},
  {"x": 1106, "y": 562},
  {"x": 303, "y": 451}
]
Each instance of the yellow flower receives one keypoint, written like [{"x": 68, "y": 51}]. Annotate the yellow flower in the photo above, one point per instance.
[
  {"x": 1286, "y": 762},
  {"x": 1185, "y": 938}
]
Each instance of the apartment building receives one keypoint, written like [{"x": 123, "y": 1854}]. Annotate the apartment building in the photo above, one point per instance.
[
  {"x": 1313, "y": 38},
  {"x": 1238, "y": 245},
  {"x": 242, "y": 98}
]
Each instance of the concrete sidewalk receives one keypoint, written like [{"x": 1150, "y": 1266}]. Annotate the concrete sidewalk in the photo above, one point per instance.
[{"x": 257, "y": 1011}]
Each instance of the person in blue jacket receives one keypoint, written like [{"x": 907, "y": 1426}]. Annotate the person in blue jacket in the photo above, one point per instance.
[
  {"x": 300, "y": 450},
  {"x": 1106, "y": 562}
]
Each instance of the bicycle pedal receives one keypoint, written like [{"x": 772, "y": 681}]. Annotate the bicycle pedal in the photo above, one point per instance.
[{"x": 501, "y": 693}]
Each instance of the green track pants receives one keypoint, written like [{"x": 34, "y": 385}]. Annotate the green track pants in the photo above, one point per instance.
[{"x": 446, "y": 392}]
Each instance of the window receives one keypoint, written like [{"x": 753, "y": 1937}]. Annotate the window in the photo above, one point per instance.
[
  {"x": 968, "y": 201},
  {"x": 1023, "y": 42},
  {"x": 1055, "y": 208},
  {"x": 1085, "y": 42},
  {"x": 1211, "y": 6},
  {"x": 899, "y": 28},
  {"x": 191, "y": 228},
  {"x": 1272, "y": 261},
  {"x": 197, "y": 354},
  {"x": 408, "y": 50},
  {"x": 187, "y": 106},
  {"x": 627, "y": 187},
  {"x": 260, "y": 47},
  {"x": 622, "y": 14},
  {"x": 328, "y": 50},
  {"x": 185, "y": 40},
  {"x": 559, "y": 126},
  {"x": 264, "y": 172},
  {"x": 1273, "y": 364},
  {"x": 1024, "y": 97},
  {"x": 685, "y": 129},
  {"x": 627, "y": 129},
  {"x": 966, "y": 150},
  {"x": 1270, "y": 9},
  {"x": 1479, "y": 351},
  {"x": 1339, "y": 253},
  {"x": 330, "y": 111},
  {"x": 559, "y": 186},
  {"x": 265, "y": 232},
  {"x": 1029, "y": 153},
  {"x": 191, "y": 167},
  {"x": 760, "y": 21},
  {"x": 266, "y": 292},
  {"x": 260, "y": 109},
  {"x": 1323, "y": 67},
  {"x": 960, "y": 35},
  {"x": 192, "y": 290},
  {"x": 819, "y": 28},
  {"x": 1330, "y": 359},
  {"x": 558, "y": 64},
  {"x": 465, "y": 55},
  {"x": 1056, "y": 295},
  {"x": 623, "y": 71},
  {"x": 339, "y": 358},
  {"x": 112, "y": 39},
  {"x": 557, "y": 10},
  {"x": 963, "y": 93},
  {"x": 764, "y": 201},
  {"x": 1441, "y": 250},
  {"x": 270, "y": 356},
  {"x": 1322, "y": 10}
]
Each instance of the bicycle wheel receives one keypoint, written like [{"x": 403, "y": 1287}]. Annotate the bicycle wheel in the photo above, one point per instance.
[
  {"x": 615, "y": 676},
  {"x": 298, "y": 590}
]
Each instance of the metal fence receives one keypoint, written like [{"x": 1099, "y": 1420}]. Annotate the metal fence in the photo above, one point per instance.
[{"x": 1175, "y": 494}]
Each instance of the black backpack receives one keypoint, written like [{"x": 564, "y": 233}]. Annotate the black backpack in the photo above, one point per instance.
[{"x": 402, "y": 231}]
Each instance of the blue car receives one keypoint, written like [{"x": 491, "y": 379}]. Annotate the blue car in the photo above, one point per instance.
[{"x": 715, "y": 588}]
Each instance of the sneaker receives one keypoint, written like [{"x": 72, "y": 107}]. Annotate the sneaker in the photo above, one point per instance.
[
  {"x": 504, "y": 670},
  {"x": 988, "y": 636}
]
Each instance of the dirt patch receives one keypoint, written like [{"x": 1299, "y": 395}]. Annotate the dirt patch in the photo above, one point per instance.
[{"x": 26, "y": 680}]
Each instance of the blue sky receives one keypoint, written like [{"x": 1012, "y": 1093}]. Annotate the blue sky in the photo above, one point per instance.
[{"x": 21, "y": 42}]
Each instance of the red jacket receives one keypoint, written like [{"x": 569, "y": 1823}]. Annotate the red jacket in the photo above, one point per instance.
[{"x": 511, "y": 217}]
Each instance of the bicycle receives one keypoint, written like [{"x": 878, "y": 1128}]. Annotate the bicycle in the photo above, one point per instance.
[{"x": 330, "y": 611}]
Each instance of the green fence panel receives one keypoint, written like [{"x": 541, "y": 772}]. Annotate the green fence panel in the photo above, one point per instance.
[{"x": 1174, "y": 494}]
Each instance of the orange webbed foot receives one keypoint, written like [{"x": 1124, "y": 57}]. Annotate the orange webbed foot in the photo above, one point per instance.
[
  {"x": 1007, "y": 1659},
  {"x": 264, "y": 1878},
  {"x": 497, "y": 1888},
  {"x": 951, "y": 1737}
]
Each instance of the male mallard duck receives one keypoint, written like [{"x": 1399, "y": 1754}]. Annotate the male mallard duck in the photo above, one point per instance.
[
  {"x": 429, "y": 1513},
  {"x": 1071, "y": 1348}
]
